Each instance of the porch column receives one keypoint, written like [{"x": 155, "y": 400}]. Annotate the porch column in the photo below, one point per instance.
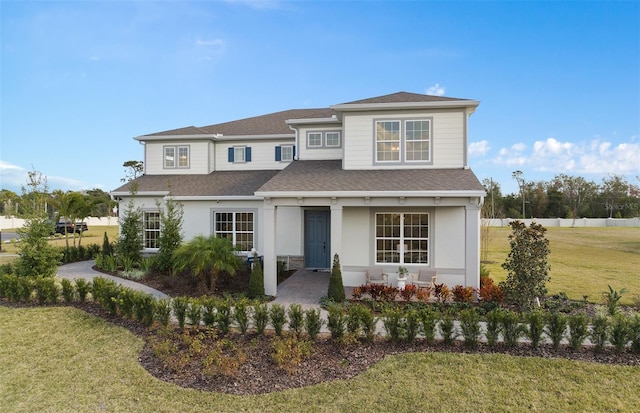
[
  {"x": 269, "y": 253},
  {"x": 336, "y": 231},
  {"x": 472, "y": 250}
]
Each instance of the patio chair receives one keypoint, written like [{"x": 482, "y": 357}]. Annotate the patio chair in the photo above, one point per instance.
[
  {"x": 375, "y": 275},
  {"x": 426, "y": 277}
]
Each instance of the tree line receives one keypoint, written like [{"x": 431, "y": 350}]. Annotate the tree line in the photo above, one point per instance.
[{"x": 563, "y": 196}]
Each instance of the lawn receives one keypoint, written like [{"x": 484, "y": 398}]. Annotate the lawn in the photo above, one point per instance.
[
  {"x": 94, "y": 235},
  {"x": 62, "y": 359},
  {"x": 583, "y": 260}
]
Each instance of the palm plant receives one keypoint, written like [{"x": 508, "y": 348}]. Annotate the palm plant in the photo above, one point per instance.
[{"x": 206, "y": 257}]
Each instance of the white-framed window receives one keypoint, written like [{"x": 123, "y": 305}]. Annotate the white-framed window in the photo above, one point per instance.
[
  {"x": 403, "y": 141},
  {"x": 286, "y": 153},
  {"x": 176, "y": 156},
  {"x": 151, "y": 229},
  {"x": 323, "y": 139},
  {"x": 332, "y": 139},
  {"x": 402, "y": 237},
  {"x": 238, "y": 154},
  {"x": 314, "y": 139},
  {"x": 237, "y": 226}
]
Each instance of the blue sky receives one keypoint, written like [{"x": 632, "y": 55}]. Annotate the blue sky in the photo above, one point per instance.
[{"x": 559, "y": 82}]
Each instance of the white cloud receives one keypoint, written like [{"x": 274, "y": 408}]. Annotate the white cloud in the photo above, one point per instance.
[
  {"x": 597, "y": 156},
  {"x": 436, "y": 90},
  {"x": 211, "y": 43},
  {"x": 479, "y": 148},
  {"x": 13, "y": 176}
]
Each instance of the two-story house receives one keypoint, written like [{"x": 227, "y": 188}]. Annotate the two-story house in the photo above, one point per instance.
[{"x": 382, "y": 182}]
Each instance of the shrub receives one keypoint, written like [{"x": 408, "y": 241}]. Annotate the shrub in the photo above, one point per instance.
[
  {"x": 180, "y": 306},
  {"x": 130, "y": 242},
  {"x": 194, "y": 312},
  {"x": 336, "y": 321},
  {"x": 256, "y": 279},
  {"x": 260, "y": 317},
  {"x": 462, "y": 294},
  {"x": 470, "y": 327},
  {"x": 107, "y": 247},
  {"x": 423, "y": 294},
  {"x": 278, "y": 318},
  {"x": 126, "y": 302},
  {"x": 223, "y": 316},
  {"x": 224, "y": 359},
  {"x": 376, "y": 291},
  {"x": 408, "y": 292},
  {"x": 144, "y": 308},
  {"x": 442, "y": 293},
  {"x": 393, "y": 323},
  {"x": 535, "y": 320},
  {"x": 619, "y": 332},
  {"x": 555, "y": 328},
  {"x": 296, "y": 319},
  {"x": 209, "y": 312},
  {"x": 336, "y": 288},
  {"x": 494, "y": 326},
  {"x": 527, "y": 266},
  {"x": 171, "y": 235},
  {"x": 634, "y": 332},
  {"x": 289, "y": 351},
  {"x": 36, "y": 257},
  {"x": 428, "y": 320},
  {"x": 68, "y": 292},
  {"x": 512, "y": 330},
  {"x": 389, "y": 293},
  {"x": 611, "y": 299},
  {"x": 162, "y": 311},
  {"x": 46, "y": 290},
  {"x": 599, "y": 332},
  {"x": 312, "y": 323},
  {"x": 241, "y": 315},
  {"x": 83, "y": 287},
  {"x": 578, "y": 330},
  {"x": 447, "y": 328}
]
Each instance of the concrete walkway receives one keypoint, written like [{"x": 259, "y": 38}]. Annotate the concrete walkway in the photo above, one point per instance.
[
  {"x": 304, "y": 287},
  {"x": 83, "y": 269}
]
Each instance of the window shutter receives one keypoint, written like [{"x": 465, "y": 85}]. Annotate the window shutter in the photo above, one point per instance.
[
  {"x": 294, "y": 152},
  {"x": 278, "y": 153},
  {"x": 230, "y": 154},
  {"x": 247, "y": 154}
]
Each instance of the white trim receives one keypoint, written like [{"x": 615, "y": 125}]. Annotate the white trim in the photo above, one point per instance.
[
  {"x": 371, "y": 194},
  {"x": 311, "y": 121},
  {"x": 346, "y": 107}
]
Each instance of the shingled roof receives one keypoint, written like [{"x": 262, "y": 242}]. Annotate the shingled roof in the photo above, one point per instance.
[
  {"x": 221, "y": 183},
  {"x": 328, "y": 176},
  {"x": 402, "y": 97}
]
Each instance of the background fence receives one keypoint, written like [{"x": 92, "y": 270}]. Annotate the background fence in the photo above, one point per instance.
[
  {"x": 13, "y": 222},
  {"x": 567, "y": 222}
]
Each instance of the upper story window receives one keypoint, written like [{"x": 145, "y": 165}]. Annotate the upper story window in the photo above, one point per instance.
[
  {"x": 330, "y": 139},
  {"x": 239, "y": 154},
  {"x": 285, "y": 153},
  {"x": 176, "y": 156},
  {"x": 403, "y": 141}
]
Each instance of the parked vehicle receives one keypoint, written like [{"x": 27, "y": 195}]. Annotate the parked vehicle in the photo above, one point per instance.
[{"x": 70, "y": 227}]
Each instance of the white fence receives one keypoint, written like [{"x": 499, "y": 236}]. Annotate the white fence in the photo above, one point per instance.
[
  {"x": 13, "y": 222},
  {"x": 567, "y": 222}
]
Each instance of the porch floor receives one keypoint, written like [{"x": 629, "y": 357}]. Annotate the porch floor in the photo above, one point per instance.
[{"x": 304, "y": 287}]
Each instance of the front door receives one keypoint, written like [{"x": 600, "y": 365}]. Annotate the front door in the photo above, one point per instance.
[{"x": 316, "y": 244}]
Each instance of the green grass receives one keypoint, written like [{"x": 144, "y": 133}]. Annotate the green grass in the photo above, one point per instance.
[
  {"x": 583, "y": 260},
  {"x": 94, "y": 235},
  {"x": 64, "y": 360}
]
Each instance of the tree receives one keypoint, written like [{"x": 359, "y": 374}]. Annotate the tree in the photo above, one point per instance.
[
  {"x": 132, "y": 170},
  {"x": 336, "y": 288},
  {"x": 256, "y": 279},
  {"x": 36, "y": 257},
  {"x": 36, "y": 193},
  {"x": 170, "y": 234},
  {"x": 130, "y": 241},
  {"x": 517, "y": 175},
  {"x": 206, "y": 257},
  {"x": 527, "y": 264},
  {"x": 9, "y": 202},
  {"x": 82, "y": 205},
  {"x": 61, "y": 201}
]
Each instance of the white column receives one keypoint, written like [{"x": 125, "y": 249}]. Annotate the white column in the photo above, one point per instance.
[
  {"x": 336, "y": 232},
  {"x": 269, "y": 253},
  {"x": 472, "y": 250}
]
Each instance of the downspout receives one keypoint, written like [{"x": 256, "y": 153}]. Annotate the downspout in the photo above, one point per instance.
[{"x": 295, "y": 131}]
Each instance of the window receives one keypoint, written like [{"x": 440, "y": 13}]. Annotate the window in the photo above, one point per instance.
[
  {"x": 285, "y": 153},
  {"x": 239, "y": 154},
  {"x": 402, "y": 238},
  {"x": 237, "y": 227},
  {"x": 170, "y": 154},
  {"x": 388, "y": 141},
  {"x": 314, "y": 139},
  {"x": 330, "y": 139},
  {"x": 151, "y": 225},
  {"x": 403, "y": 141}
]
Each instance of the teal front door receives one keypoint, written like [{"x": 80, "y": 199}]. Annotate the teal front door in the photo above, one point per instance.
[{"x": 316, "y": 243}]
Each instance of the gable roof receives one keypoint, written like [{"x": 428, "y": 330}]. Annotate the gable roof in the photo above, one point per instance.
[
  {"x": 220, "y": 183},
  {"x": 328, "y": 176},
  {"x": 402, "y": 97},
  {"x": 276, "y": 123}
]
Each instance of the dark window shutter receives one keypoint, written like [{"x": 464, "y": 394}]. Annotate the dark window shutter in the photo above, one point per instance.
[
  {"x": 294, "y": 152},
  {"x": 278, "y": 153},
  {"x": 247, "y": 154},
  {"x": 230, "y": 154}
]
